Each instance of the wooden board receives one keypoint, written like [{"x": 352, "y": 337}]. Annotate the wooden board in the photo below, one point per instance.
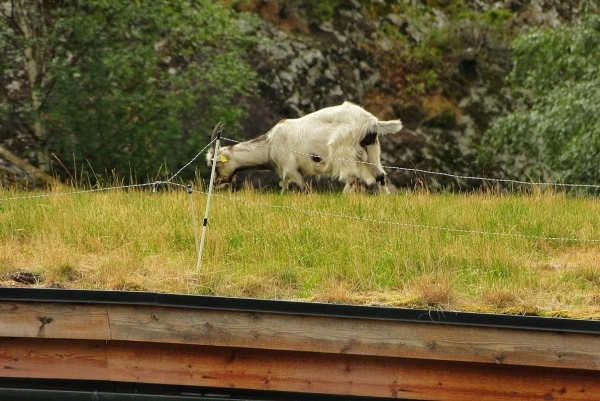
[
  {"x": 302, "y": 333},
  {"x": 53, "y": 358},
  {"x": 310, "y": 372},
  {"x": 53, "y": 320},
  {"x": 354, "y": 336}
]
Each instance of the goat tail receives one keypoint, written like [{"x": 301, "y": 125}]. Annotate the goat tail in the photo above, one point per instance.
[{"x": 388, "y": 127}]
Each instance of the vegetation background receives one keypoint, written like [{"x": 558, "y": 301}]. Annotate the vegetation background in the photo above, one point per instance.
[
  {"x": 100, "y": 88},
  {"x": 104, "y": 92},
  {"x": 483, "y": 252}
]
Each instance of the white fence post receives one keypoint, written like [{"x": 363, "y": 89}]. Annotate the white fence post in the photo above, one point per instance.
[{"x": 210, "y": 189}]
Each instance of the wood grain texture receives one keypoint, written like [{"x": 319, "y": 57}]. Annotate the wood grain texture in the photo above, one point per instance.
[
  {"x": 354, "y": 336},
  {"x": 307, "y": 372},
  {"x": 53, "y": 359},
  {"x": 53, "y": 320},
  {"x": 295, "y": 353}
]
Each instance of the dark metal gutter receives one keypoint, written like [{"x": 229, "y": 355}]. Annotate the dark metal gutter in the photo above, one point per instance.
[
  {"x": 302, "y": 308},
  {"x": 7, "y": 394},
  {"x": 85, "y": 390}
]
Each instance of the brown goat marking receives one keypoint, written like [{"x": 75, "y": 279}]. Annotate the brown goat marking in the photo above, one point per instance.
[
  {"x": 369, "y": 139},
  {"x": 329, "y": 137}
]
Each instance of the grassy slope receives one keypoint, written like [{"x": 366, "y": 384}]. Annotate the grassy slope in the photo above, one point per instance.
[{"x": 138, "y": 240}]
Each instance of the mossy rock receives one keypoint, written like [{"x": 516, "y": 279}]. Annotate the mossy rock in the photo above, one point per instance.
[{"x": 440, "y": 112}]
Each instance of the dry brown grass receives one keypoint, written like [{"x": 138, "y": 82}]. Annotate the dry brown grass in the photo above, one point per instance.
[{"x": 258, "y": 246}]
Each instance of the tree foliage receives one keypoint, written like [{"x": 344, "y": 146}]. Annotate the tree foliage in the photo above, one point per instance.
[
  {"x": 123, "y": 86},
  {"x": 555, "y": 127}
]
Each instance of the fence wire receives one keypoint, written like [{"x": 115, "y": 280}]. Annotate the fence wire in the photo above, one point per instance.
[
  {"x": 415, "y": 170},
  {"x": 170, "y": 182},
  {"x": 83, "y": 191},
  {"x": 190, "y": 162},
  {"x": 154, "y": 184},
  {"x": 402, "y": 224}
]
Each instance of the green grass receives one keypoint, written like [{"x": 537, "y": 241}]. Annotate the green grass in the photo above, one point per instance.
[{"x": 398, "y": 250}]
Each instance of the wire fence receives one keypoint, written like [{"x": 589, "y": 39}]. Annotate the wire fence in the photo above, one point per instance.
[
  {"x": 170, "y": 182},
  {"x": 415, "y": 170},
  {"x": 402, "y": 224}
]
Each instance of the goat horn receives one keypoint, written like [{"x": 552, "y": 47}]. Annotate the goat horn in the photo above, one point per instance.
[{"x": 218, "y": 128}]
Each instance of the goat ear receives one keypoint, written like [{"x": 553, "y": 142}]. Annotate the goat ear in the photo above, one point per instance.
[
  {"x": 223, "y": 159},
  {"x": 209, "y": 156}
]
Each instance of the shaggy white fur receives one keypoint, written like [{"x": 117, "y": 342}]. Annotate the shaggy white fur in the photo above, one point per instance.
[{"x": 327, "y": 142}]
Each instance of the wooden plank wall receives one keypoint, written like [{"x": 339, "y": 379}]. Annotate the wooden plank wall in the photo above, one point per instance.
[{"x": 286, "y": 352}]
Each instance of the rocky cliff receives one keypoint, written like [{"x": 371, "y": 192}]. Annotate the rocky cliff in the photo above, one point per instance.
[
  {"x": 438, "y": 65},
  {"x": 17, "y": 173}
]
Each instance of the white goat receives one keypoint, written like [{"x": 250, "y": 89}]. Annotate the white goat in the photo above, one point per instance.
[{"x": 339, "y": 141}]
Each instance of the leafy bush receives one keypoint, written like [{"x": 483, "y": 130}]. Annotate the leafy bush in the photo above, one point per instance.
[
  {"x": 555, "y": 127},
  {"x": 441, "y": 48},
  {"x": 126, "y": 86},
  {"x": 323, "y": 10}
]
